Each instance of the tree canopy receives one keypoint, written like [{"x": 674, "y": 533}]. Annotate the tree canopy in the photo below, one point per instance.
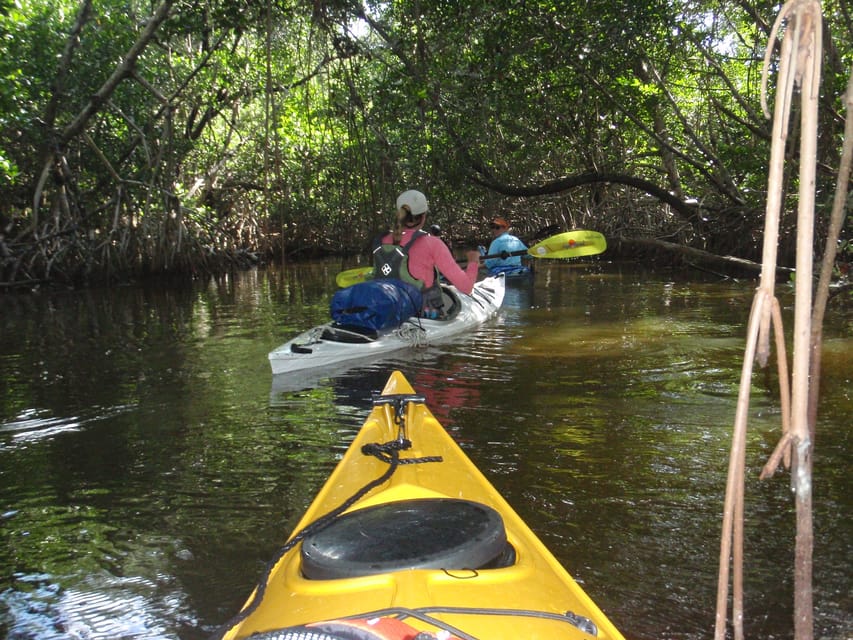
[{"x": 183, "y": 136}]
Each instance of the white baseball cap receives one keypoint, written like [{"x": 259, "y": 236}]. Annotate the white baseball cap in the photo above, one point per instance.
[{"x": 414, "y": 200}]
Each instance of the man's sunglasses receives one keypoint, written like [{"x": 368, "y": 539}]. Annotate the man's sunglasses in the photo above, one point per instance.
[{"x": 495, "y": 226}]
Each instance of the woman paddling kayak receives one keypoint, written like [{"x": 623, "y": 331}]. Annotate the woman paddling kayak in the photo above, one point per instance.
[
  {"x": 401, "y": 303},
  {"x": 410, "y": 254}
]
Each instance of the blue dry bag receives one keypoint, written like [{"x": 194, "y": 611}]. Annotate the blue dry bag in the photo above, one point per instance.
[{"x": 376, "y": 304}]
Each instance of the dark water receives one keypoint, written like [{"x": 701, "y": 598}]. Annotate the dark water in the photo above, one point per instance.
[{"x": 150, "y": 465}]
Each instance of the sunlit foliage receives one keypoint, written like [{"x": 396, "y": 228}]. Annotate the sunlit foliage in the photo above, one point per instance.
[{"x": 235, "y": 131}]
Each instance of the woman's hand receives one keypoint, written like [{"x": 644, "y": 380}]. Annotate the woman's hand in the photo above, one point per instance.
[{"x": 473, "y": 256}]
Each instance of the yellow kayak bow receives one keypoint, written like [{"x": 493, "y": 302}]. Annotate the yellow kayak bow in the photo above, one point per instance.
[{"x": 407, "y": 536}]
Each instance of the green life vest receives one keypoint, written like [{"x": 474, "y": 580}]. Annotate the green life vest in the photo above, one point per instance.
[{"x": 392, "y": 260}]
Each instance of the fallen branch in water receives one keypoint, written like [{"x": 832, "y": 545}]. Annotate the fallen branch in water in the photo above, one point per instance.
[{"x": 692, "y": 255}]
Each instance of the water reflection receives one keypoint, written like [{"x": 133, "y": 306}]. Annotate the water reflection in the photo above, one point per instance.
[
  {"x": 150, "y": 465},
  {"x": 33, "y": 424},
  {"x": 38, "y": 608}
]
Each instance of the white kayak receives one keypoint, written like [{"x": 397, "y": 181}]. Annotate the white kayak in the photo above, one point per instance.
[{"x": 331, "y": 344}]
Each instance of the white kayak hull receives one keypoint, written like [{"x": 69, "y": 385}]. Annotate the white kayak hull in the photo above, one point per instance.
[{"x": 326, "y": 345}]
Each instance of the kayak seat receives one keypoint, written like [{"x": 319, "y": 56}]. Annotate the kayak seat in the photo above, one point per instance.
[
  {"x": 348, "y": 333},
  {"x": 450, "y": 304},
  {"x": 426, "y": 533}
]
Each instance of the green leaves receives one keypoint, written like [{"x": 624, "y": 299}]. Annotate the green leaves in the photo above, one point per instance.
[{"x": 310, "y": 116}]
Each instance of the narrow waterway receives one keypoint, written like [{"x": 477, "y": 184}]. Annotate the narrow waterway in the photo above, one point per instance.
[{"x": 150, "y": 465}]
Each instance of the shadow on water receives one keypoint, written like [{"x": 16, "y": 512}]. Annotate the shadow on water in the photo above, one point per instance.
[{"x": 150, "y": 465}]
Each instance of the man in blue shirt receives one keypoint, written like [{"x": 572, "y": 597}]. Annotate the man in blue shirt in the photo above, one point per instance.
[{"x": 504, "y": 242}]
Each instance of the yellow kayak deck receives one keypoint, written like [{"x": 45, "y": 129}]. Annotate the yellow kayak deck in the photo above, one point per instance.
[{"x": 532, "y": 598}]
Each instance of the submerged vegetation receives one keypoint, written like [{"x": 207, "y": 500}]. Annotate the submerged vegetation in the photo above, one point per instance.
[{"x": 181, "y": 137}]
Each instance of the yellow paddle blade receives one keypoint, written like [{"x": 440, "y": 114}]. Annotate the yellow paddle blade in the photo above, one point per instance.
[
  {"x": 571, "y": 244},
  {"x": 353, "y": 276}
]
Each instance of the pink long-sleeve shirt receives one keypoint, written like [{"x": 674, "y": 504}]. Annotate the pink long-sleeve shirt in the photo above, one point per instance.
[{"x": 430, "y": 252}]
